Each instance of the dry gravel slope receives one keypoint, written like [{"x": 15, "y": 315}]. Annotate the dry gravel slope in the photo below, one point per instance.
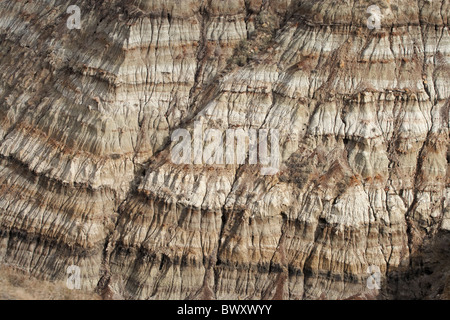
[{"x": 86, "y": 118}]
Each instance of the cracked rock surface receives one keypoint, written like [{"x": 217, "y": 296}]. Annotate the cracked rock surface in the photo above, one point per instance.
[{"x": 86, "y": 118}]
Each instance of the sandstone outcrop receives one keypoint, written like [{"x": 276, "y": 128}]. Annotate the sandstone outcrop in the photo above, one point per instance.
[{"x": 86, "y": 118}]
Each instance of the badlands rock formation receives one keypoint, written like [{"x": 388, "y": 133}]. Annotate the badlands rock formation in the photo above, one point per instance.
[{"x": 86, "y": 118}]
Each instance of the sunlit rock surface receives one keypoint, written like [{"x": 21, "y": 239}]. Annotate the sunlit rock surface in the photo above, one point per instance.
[{"x": 86, "y": 118}]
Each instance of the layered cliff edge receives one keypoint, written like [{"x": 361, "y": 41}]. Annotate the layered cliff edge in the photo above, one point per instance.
[{"x": 86, "y": 118}]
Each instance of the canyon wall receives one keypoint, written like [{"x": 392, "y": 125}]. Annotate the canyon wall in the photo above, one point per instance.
[{"x": 86, "y": 118}]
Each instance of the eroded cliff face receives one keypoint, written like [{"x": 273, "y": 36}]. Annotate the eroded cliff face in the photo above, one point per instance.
[{"x": 86, "y": 118}]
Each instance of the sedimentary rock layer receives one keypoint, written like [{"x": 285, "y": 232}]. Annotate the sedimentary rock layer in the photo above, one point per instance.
[{"x": 86, "y": 118}]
